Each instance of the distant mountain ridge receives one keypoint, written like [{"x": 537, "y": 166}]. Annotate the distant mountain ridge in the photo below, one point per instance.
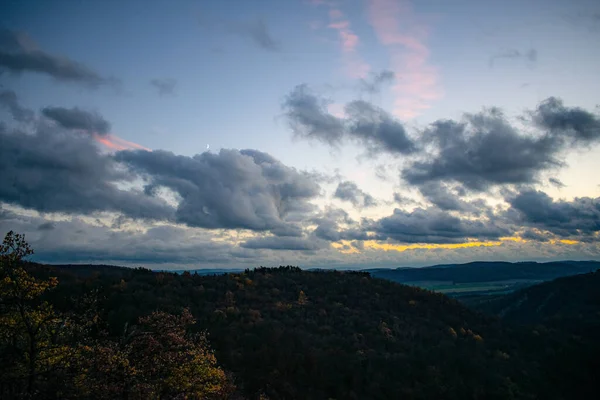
[{"x": 482, "y": 271}]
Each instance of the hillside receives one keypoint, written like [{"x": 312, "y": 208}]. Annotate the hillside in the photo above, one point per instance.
[
  {"x": 293, "y": 334},
  {"x": 569, "y": 303},
  {"x": 487, "y": 271}
]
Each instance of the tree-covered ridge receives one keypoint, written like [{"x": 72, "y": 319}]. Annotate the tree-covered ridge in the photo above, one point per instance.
[
  {"x": 284, "y": 333},
  {"x": 571, "y": 304},
  {"x": 288, "y": 333}
]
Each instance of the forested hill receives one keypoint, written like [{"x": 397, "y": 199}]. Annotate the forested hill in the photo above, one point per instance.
[
  {"x": 571, "y": 304},
  {"x": 285, "y": 333},
  {"x": 480, "y": 271}
]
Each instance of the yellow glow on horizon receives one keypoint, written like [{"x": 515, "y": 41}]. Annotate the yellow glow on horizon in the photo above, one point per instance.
[{"x": 567, "y": 241}]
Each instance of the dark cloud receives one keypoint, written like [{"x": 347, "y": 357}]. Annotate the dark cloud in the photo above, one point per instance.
[
  {"x": 530, "y": 55},
  {"x": 233, "y": 189},
  {"x": 531, "y": 234},
  {"x": 282, "y": 243},
  {"x": 309, "y": 119},
  {"x": 164, "y": 86},
  {"x": 329, "y": 226},
  {"x": 8, "y": 100},
  {"x": 433, "y": 226},
  {"x": 258, "y": 32},
  {"x": 439, "y": 195},
  {"x": 574, "y": 123},
  {"x": 349, "y": 191},
  {"x": 18, "y": 54},
  {"x": 46, "y": 226},
  {"x": 54, "y": 171},
  {"x": 483, "y": 150},
  {"x": 75, "y": 118},
  {"x": 375, "y": 81},
  {"x": 577, "y": 218},
  {"x": 377, "y": 130},
  {"x": 556, "y": 182},
  {"x": 403, "y": 200},
  {"x": 370, "y": 126}
]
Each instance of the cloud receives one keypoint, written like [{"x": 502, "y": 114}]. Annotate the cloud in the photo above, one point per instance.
[
  {"x": 375, "y": 81},
  {"x": 439, "y": 195},
  {"x": 164, "y": 86},
  {"x": 354, "y": 65},
  {"x": 8, "y": 100},
  {"x": 75, "y": 118},
  {"x": 579, "y": 218},
  {"x": 349, "y": 191},
  {"x": 376, "y": 129},
  {"x": 530, "y": 55},
  {"x": 403, "y": 200},
  {"x": 556, "y": 182},
  {"x": 18, "y": 54},
  {"x": 53, "y": 170},
  {"x": 46, "y": 226},
  {"x": 433, "y": 226},
  {"x": 282, "y": 243},
  {"x": 258, "y": 32},
  {"x": 370, "y": 126},
  {"x": 233, "y": 189},
  {"x": 482, "y": 150},
  {"x": 397, "y": 27},
  {"x": 309, "y": 119},
  {"x": 78, "y": 241},
  {"x": 577, "y": 124},
  {"x": 329, "y": 226}
]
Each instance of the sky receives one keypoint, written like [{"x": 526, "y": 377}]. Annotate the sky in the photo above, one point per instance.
[{"x": 318, "y": 133}]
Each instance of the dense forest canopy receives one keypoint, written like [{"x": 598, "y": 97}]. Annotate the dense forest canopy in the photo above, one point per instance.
[{"x": 279, "y": 333}]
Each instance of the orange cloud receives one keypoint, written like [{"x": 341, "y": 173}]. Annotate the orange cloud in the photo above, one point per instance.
[
  {"x": 116, "y": 143},
  {"x": 417, "y": 83}
]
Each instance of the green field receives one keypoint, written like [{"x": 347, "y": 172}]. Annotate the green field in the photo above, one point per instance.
[{"x": 458, "y": 289}]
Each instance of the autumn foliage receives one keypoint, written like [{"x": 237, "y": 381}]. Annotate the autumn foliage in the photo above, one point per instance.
[{"x": 46, "y": 354}]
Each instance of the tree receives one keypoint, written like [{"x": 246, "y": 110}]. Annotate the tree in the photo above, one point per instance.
[
  {"x": 30, "y": 330},
  {"x": 157, "y": 359}
]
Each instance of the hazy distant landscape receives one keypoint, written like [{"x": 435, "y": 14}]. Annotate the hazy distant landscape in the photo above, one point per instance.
[{"x": 465, "y": 280}]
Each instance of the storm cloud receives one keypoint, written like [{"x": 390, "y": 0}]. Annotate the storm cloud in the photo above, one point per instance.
[{"x": 75, "y": 118}]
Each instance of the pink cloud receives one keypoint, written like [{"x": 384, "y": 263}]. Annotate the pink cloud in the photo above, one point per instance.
[
  {"x": 417, "y": 81},
  {"x": 116, "y": 143},
  {"x": 355, "y": 66}
]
